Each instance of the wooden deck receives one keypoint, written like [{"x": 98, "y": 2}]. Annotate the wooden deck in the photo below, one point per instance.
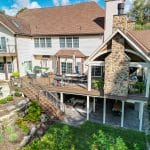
[{"x": 76, "y": 90}]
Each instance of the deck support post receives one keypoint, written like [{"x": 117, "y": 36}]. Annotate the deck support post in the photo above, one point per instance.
[
  {"x": 104, "y": 110},
  {"x": 93, "y": 104},
  {"x": 148, "y": 83},
  {"x": 61, "y": 102},
  {"x": 87, "y": 105},
  {"x": 141, "y": 115},
  {"x": 122, "y": 114},
  {"x": 89, "y": 77}
]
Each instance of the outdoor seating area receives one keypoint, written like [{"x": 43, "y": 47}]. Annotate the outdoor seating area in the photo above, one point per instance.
[{"x": 61, "y": 80}]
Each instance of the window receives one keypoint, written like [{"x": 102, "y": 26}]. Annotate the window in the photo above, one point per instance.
[
  {"x": 63, "y": 67},
  {"x": 10, "y": 67},
  {"x": 48, "y": 42},
  {"x": 62, "y": 42},
  {"x": 3, "y": 43},
  {"x": 97, "y": 71},
  {"x": 76, "y": 42},
  {"x": 42, "y": 42},
  {"x": 66, "y": 68},
  {"x": 1, "y": 67},
  {"x": 69, "y": 68},
  {"x": 69, "y": 42},
  {"x": 36, "y": 43}
]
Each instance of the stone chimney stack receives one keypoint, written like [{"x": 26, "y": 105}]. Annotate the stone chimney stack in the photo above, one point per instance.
[{"x": 117, "y": 69}]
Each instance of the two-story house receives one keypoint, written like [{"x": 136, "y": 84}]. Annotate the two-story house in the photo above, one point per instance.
[{"x": 59, "y": 38}]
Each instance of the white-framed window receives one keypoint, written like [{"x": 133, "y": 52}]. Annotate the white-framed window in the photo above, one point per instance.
[
  {"x": 66, "y": 67},
  {"x": 10, "y": 67},
  {"x": 1, "y": 67},
  {"x": 69, "y": 42},
  {"x": 97, "y": 71},
  {"x": 43, "y": 42},
  {"x": 2, "y": 44},
  {"x": 62, "y": 42}
]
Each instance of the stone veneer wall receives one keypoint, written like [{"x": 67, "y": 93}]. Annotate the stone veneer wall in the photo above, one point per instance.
[
  {"x": 122, "y": 22},
  {"x": 117, "y": 69}
]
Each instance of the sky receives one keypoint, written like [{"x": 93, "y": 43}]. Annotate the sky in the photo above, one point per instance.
[{"x": 11, "y": 7}]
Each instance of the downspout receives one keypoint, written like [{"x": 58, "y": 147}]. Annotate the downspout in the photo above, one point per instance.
[{"x": 16, "y": 49}]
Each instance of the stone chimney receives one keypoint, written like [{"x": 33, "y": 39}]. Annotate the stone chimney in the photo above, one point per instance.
[{"x": 117, "y": 69}]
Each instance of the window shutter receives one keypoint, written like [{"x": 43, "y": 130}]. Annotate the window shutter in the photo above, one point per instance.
[{"x": 3, "y": 42}]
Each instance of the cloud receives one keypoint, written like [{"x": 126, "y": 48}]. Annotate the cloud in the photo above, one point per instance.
[
  {"x": 19, "y": 4},
  {"x": 61, "y": 2},
  {"x": 128, "y": 5}
]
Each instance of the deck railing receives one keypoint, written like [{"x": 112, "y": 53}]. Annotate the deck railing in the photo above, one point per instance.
[{"x": 9, "y": 49}]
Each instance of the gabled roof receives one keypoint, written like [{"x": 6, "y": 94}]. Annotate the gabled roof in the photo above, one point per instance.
[
  {"x": 142, "y": 38},
  {"x": 15, "y": 25},
  {"x": 143, "y": 51},
  {"x": 82, "y": 18},
  {"x": 70, "y": 53}
]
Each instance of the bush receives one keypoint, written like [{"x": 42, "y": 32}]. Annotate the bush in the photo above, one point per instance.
[
  {"x": 15, "y": 74},
  {"x": 98, "y": 84},
  {"x": 34, "y": 112},
  {"x": 18, "y": 94},
  {"x": 22, "y": 124},
  {"x": 6, "y": 99}
]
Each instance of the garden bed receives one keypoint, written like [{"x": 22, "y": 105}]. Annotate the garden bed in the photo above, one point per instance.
[{"x": 61, "y": 136}]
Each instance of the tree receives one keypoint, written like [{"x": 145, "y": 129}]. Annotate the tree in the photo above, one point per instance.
[
  {"x": 2, "y": 12},
  {"x": 140, "y": 11}
]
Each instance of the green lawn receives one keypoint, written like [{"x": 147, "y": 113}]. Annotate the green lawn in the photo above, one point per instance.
[{"x": 79, "y": 138}]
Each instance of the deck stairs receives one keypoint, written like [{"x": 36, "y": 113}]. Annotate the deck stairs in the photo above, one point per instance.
[{"x": 47, "y": 100}]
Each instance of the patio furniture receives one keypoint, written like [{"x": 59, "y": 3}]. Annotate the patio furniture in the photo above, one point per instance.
[{"x": 30, "y": 74}]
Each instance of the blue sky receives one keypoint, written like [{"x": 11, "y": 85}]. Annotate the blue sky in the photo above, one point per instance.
[{"x": 12, "y": 6}]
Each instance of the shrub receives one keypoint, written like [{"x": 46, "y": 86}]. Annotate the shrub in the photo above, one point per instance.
[
  {"x": 98, "y": 84},
  {"x": 18, "y": 94},
  {"x": 22, "y": 124},
  {"x": 15, "y": 74},
  {"x": 9, "y": 98},
  {"x": 34, "y": 112},
  {"x": 6, "y": 99}
]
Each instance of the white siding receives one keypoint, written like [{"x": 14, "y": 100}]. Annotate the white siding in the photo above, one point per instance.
[{"x": 25, "y": 52}]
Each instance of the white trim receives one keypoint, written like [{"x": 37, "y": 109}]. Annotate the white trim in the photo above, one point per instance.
[
  {"x": 88, "y": 106},
  {"x": 89, "y": 78},
  {"x": 139, "y": 64},
  {"x": 122, "y": 114},
  {"x": 141, "y": 116},
  {"x": 7, "y": 27},
  {"x": 98, "y": 52},
  {"x": 104, "y": 110}
]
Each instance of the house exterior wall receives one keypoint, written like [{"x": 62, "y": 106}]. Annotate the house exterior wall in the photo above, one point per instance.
[{"x": 27, "y": 51}]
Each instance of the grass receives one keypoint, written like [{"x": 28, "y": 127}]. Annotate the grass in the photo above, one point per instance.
[{"x": 80, "y": 136}]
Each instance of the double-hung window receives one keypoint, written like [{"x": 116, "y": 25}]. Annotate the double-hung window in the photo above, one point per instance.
[
  {"x": 69, "y": 42},
  {"x": 2, "y": 44},
  {"x": 1, "y": 67},
  {"x": 42, "y": 42},
  {"x": 66, "y": 67},
  {"x": 97, "y": 71}
]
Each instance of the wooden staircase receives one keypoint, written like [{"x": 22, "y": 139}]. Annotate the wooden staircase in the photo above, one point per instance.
[{"x": 51, "y": 105}]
